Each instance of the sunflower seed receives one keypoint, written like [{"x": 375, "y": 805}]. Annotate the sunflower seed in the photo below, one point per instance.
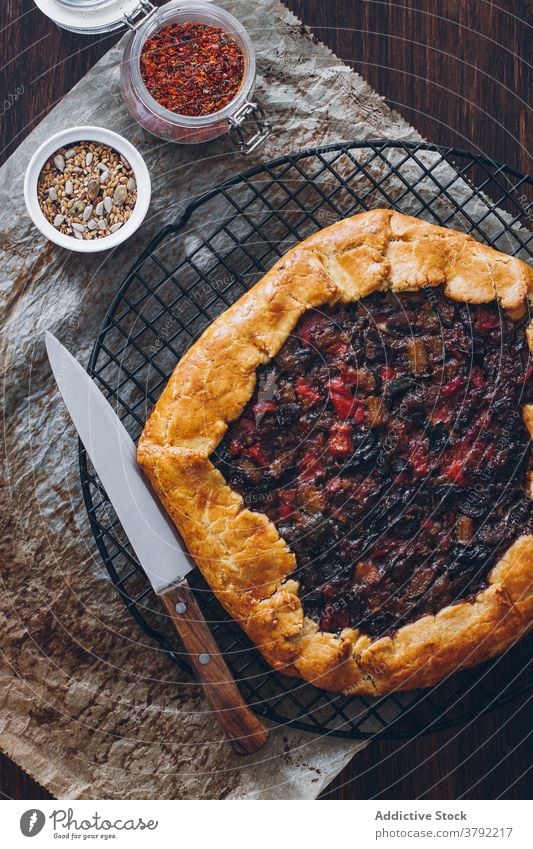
[
  {"x": 120, "y": 195},
  {"x": 92, "y": 225},
  {"x": 79, "y": 228},
  {"x": 131, "y": 185},
  {"x": 58, "y": 220},
  {"x": 108, "y": 204},
  {"x": 102, "y": 224},
  {"x": 70, "y": 154},
  {"x": 104, "y": 176},
  {"x": 77, "y": 207},
  {"x": 52, "y": 194},
  {"x": 100, "y": 208},
  {"x": 115, "y": 227},
  {"x": 77, "y": 234},
  {"x": 89, "y": 159},
  {"x": 59, "y": 162},
  {"x": 87, "y": 212},
  {"x": 69, "y": 188}
]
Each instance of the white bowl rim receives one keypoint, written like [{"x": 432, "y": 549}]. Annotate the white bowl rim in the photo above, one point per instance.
[{"x": 89, "y": 134}]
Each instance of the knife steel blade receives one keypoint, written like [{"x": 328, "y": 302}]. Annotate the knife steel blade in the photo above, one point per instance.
[
  {"x": 155, "y": 542},
  {"x": 113, "y": 455}
]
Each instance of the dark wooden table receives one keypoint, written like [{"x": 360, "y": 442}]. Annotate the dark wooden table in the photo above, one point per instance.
[{"x": 460, "y": 72}]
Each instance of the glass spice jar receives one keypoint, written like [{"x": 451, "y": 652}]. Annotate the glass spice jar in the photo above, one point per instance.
[
  {"x": 242, "y": 118},
  {"x": 187, "y": 129}
]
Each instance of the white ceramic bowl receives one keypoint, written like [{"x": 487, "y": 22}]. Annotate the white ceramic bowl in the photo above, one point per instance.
[{"x": 102, "y": 136}]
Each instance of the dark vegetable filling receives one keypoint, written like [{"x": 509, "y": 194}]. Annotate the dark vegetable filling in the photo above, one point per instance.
[{"x": 386, "y": 443}]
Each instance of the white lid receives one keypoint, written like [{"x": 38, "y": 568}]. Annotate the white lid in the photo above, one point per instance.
[
  {"x": 89, "y": 16},
  {"x": 94, "y": 16}
]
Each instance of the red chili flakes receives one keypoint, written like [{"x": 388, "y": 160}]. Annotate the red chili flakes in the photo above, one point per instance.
[{"x": 192, "y": 69}]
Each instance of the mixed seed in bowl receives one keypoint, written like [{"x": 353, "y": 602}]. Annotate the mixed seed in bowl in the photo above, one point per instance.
[{"x": 87, "y": 191}]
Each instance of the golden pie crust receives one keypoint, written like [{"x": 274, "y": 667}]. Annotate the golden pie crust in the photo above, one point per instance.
[{"x": 240, "y": 553}]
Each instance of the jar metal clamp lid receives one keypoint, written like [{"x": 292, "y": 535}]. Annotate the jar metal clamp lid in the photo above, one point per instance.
[
  {"x": 92, "y": 17},
  {"x": 254, "y": 112}
]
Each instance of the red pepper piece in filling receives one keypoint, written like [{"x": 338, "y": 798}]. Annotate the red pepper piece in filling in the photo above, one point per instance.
[
  {"x": 344, "y": 402},
  {"x": 455, "y": 466},
  {"x": 340, "y": 440},
  {"x": 486, "y": 320},
  {"x": 308, "y": 327},
  {"x": 306, "y": 391},
  {"x": 288, "y": 496},
  {"x": 339, "y": 349},
  {"x": 257, "y": 454},
  {"x": 310, "y": 466},
  {"x": 452, "y": 387},
  {"x": 247, "y": 426},
  {"x": 442, "y": 414},
  {"x": 455, "y": 472},
  {"x": 262, "y": 408},
  {"x": 419, "y": 461},
  {"x": 235, "y": 447},
  {"x": 334, "y": 486},
  {"x": 387, "y": 372}
]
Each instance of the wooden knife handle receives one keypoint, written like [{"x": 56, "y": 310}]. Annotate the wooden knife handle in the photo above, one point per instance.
[{"x": 243, "y": 729}]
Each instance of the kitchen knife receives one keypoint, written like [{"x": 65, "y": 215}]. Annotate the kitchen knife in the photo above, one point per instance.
[{"x": 154, "y": 540}]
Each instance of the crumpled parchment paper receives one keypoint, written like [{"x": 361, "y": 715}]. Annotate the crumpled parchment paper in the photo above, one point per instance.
[{"x": 88, "y": 706}]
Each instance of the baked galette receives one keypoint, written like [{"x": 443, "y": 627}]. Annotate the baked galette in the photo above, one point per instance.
[{"x": 346, "y": 453}]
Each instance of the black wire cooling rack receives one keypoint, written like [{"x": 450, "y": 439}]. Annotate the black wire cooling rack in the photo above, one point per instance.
[{"x": 191, "y": 272}]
